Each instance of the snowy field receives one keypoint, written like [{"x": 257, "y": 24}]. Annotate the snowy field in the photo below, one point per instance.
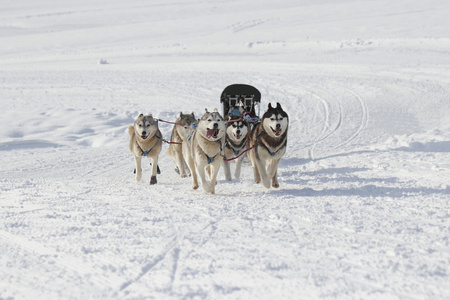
[{"x": 363, "y": 208}]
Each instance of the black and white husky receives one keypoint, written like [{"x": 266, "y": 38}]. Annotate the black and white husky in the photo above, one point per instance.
[
  {"x": 235, "y": 144},
  {"x": 203, "y": 150},
  {"x": 269, "y": 138}
]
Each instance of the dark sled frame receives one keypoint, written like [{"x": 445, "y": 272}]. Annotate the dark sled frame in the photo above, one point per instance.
[{"x": 233, "y": 94}]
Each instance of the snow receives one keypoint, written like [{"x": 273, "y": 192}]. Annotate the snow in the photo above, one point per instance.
[{"x": 363, "y": 208}]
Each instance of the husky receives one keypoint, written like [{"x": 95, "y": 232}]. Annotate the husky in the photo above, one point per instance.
[
  {"x": 145, "y": 140},
  {"x": 235, "y": 143},
  {"x": 203, "y": 150},
  {"x": 269, "y": 139},
  {"x": 180, "y": 132}
]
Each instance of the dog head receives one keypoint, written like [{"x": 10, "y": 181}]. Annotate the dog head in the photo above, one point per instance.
[
  {"x": 211, "y": 125},
  {"x": 145, "y": 126},
  {"x": 275, "y": 121},
  {"x": 184, "y": 123},
  {"x": 237, "y": 129}
]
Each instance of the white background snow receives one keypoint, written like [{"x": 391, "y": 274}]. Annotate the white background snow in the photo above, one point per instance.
[{"x": 363, "y": 208}]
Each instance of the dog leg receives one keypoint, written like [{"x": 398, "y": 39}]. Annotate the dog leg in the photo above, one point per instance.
[
  {"x": 180, "y": 164},
  {"x": 191, "y": 166},
  {"x": 263, "y": 173},
  {"x": 251, "y": 155},
  {"x": 237, "y": 171},
  {"x": 202, "y": 175},
  {"x": 273, "y": 172},
  {"x": 138, "y": 168},
  {"x": 154, "y": 170},
  {"x": 226, "y": 168},
  {"x": 275, "y": 183},
  {"x": 273, "y": 167},
  {"x": 215, "y": 171}
]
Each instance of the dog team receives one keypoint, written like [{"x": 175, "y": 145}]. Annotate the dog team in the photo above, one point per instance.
[{"x": 200, "y": 147}]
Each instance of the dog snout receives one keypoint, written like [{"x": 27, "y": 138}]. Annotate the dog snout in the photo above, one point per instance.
[
  {"x": 278, "y": 126},
  {"x": 216, "y": 125},
  {"x": 144, "y": 132},
  {"x": 238, "y": 131}
]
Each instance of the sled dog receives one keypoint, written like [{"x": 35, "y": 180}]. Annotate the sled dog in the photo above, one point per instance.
[
  {"x": 203, "y": 150},
  {"x": 269, "y": 138},
  {"x": 235, "y": 143},
  {"x": 145, "y": 140},
  {"x": 180, "y": 132}
]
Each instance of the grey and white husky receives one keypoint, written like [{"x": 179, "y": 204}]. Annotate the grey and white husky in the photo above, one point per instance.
[
  {"x": 181, "y": 130},
  {"x": 145, "y": 140},
  {"x": 235, "y": 144},
  {"x": 204, "y": 149},
  {"x": 269, "y": 138}
]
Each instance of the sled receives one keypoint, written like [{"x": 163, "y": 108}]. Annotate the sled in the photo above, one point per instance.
[{"x": 241, "y": 98}]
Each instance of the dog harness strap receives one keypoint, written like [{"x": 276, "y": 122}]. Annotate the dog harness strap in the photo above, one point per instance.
[
  {"x": 145, "y": 153},
  {"x": 191, "y": 132},
  {"x": 210, "y": 159},
  {"x": 273, "y": 153}
]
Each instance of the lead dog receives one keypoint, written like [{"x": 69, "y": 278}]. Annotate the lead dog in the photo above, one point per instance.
[
  {"x": 180, "y": 132},
  {"x": 204, "y": 149},
  {"x": 269, "y": 138},
  {"x": 235, "y": 144},
  {"x": 145, "y": 140}
]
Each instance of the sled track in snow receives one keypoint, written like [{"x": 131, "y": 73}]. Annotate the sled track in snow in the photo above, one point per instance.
[{"x": 340, "y": 113}]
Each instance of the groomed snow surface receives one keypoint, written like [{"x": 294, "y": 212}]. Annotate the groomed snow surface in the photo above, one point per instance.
[{"x": 363, "y": 208}]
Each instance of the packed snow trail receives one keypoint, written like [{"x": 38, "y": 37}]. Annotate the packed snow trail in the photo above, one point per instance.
[{"x": 363, "y": 205}]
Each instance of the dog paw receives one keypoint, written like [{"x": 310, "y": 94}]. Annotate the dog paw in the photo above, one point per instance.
[
  {"x": 183, "y": 175},
  {"x": 153, "y": 180},
  {"x": 206, "y": 188},
  {"x": 195, "y": 187},
  {"x": 266, "y": 184},
  {"x": 276, "y": 185}
]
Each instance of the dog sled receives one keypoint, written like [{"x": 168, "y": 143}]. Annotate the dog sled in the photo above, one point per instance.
[{"x": 241, "y": 100}]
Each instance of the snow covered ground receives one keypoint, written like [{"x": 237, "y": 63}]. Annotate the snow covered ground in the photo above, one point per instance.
[{"x": 363, "y": 208}]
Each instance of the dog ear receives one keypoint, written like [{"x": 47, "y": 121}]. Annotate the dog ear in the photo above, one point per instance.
[
  {"x": 215, "y": 110},
  {"x": 270, "y": 106},
  {"x": 278, "y": 105},
  {"x": 181, "y": 113},
  {"x": 206, "y": 110},
  {"x": 151, "y": 116},
  {"x": 192, "y": 113}
]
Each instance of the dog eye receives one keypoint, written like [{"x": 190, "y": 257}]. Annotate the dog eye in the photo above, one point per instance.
[
  {"x": 272, "y": 119},
  {"x": 281, "y": 119}
]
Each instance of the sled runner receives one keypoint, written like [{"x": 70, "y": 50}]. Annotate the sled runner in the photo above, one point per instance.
[{"x": 242, "y": 100}]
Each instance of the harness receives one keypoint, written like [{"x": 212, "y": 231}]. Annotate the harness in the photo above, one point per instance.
[
  {"x": 273, "y": 153},
  {"x": 267, "y": 148},
  {"x": 191, "y": 132},
  {"x": 211, "y": 159},
  {"x": 236, "y": 151},
  {"x": 145, "y": 153}
]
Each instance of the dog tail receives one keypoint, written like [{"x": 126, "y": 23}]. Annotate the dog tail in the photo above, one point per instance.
[{"x": 131, "y": 130}]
